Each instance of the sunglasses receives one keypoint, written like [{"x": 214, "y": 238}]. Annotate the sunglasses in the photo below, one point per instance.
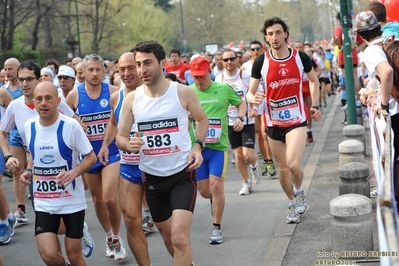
[
  {"x": 63, "y": 77},
  {"x": 255, "y": 49},
  {"x": 229, "y": 59},
  {"x": 28, "y": 79}
]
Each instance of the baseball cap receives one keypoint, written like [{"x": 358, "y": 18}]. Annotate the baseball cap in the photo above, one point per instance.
[
  {"x": 366, "y": 21},
  {"x": 65, "y": 70},
  {"x": 199, "y": 67}
]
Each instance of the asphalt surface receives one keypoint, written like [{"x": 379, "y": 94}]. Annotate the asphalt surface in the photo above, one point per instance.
[{"x": 254, "y": 228}]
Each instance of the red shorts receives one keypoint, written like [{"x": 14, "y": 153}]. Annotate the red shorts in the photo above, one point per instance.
[
  {"x": 341, "y": 58},
  {"x": 306, "y": 93},
  {"x": 305, "y": 88}
]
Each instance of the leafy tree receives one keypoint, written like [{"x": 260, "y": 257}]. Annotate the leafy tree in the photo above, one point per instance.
[{"x": 165, "y": 5}]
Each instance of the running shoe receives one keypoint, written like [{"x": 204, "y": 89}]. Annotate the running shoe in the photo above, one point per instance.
[
  {"x": 109, "y": 251},
  {"x": 216, "y": 235},
  {"x": 233, "y": 159},
  {"x": 271, "y": 169},
  {"x": 374, "y": 193},
  {"x": 325, "y": 105},
  {"x": 256, "y": 174},
  {"x": 13, "y": 223},
  {"x": 87, "y": 242},
  {"x": 7, "y": 173},
  {"x": 293, "y": 216},
  {"x": 301, "y": 204},
  {"x": 264, "y": 169},
  {"x": 259, "y": 155},
  {"x": 310, "y": 137},
  {"x": 148, "y": 224},
  {"x": 246, "y": 187},
  {"x": 5, "y": 233},
  {"x": 119, "y": 249},
  {"x": 21, "y": 216},
  {"x": 193, "y": 264}
]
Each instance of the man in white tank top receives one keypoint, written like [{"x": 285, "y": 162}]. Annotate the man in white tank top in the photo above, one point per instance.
[{"x": 160, "y": 108}]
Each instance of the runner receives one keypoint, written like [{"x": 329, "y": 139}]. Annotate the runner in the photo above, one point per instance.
[
  {"x": 91, "y": 101},
  {"x": 131, "y": 188},
  {"x": 162, "y": 138},
  {"x": 281, "y": 69},
  {"x": 242, "y": 142},
  {"x": 54, "y": 143},
  {"x": 215, "y": 99}
]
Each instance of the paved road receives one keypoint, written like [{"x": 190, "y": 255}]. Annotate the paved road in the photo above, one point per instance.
[{"x": 254, "y": 228}]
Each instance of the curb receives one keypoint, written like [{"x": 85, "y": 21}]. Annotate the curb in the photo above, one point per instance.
[{"x": 282, "y": 238}]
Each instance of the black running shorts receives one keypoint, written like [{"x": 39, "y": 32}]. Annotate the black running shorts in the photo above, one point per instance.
[
  {"x": 49, "y": 223},
  {"x": 168, "y": 193},
  {"x": 244, "y": 138},
  {"x": 279, "y": 133}
]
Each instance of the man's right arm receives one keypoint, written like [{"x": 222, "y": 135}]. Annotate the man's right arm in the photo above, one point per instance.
[
  {"x": 122, "y": 137},
  {"x": 72, "y": 99},
  {"x": 4, "y": 143}
]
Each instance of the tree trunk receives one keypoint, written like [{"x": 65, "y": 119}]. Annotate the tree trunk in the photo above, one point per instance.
[
  {"x": 48, "y": 38},
  {"x": 35, "y": 32},
  {"x": 3, "y": 27},
  {"x": 95, "y": 23},
  {"x": 10, "y": 40}
]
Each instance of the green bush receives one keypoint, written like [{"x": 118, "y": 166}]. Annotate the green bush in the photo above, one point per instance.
[{"x": 32, "y": 55}]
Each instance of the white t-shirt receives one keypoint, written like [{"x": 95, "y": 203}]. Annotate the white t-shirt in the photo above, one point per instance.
[
  {"x": 55, "y": 149},
  {"x": 217, "y": 72},
  {"x": 239, "y": 82},
  {"x": 374, "y": 55},
  {"x": 247, "y": 66},
  {"x": 17, "y": 113}
]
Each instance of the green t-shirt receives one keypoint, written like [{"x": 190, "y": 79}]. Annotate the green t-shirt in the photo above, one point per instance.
[{"x": 215, "y": 101}]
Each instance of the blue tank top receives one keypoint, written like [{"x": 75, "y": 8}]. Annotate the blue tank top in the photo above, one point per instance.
[
  {"x": 15, "y": 94},
  {"x": 118, "y": 107},
  {"x": 97, "y": 113}
]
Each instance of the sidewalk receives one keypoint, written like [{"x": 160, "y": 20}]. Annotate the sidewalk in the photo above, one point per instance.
[{"x": 303, "y": 241}]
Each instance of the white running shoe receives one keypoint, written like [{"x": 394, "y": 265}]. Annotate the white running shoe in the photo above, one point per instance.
[
  {"x": 256, "y": 174},
  {"x": 148, "y": 224},
  {"x": 246, "y": 187},
  {"x": 293, "y": 216},
  {"x": 22, "y": 218},
  {"x": 374, "y": 193},
  {"x": 87, "y": 242},
  {"x": 109, "y": 251},
  {"x": 120, "y": 252},
  {"x": 301, "y": 204},
  {"x": 216, "y": 235}
]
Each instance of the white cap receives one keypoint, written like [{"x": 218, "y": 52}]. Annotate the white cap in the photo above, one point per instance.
[{"x": 65, "y": 70}]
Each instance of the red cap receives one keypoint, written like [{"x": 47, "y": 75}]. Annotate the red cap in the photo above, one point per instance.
[{"x": 199, "y": 66}]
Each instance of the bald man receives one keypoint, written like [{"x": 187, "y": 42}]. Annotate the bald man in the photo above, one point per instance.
[
  {"x": 16, "y": 146},
  {"x": 64, "y": 197},
  {"x": 75, "y": 61},
  {"x": 131, "y": 188},
  {"x": 80, "y": 75},
  {"x": 2, "y": 77}
]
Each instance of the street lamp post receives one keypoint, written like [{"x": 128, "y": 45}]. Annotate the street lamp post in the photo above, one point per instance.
[
  {"x": 183, "y": 35},
  {"x": 77, "y": 25}
]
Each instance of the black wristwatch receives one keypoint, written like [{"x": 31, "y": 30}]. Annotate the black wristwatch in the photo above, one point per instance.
[
  {"x": 28, "y": 170},
  {"x": 200, "y": 143},
  {"x": 316, "y": 107},
  {"x": 241, "y": 118},
  {"x": 385, "y": 107},
  {"x": 7, "y": 157}
]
